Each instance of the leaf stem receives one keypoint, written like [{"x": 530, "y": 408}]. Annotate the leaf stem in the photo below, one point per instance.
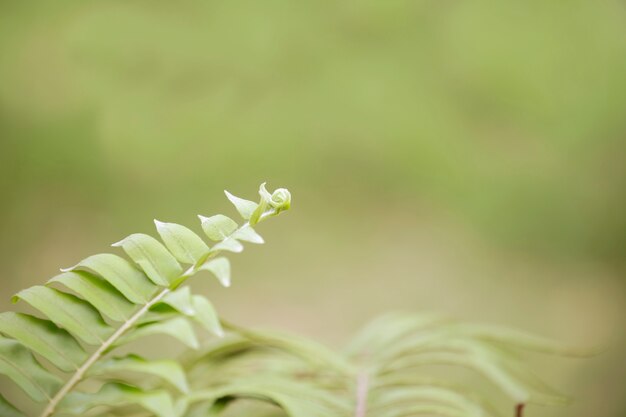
[
  {"x": 362, "y": 387},
  {"x": 80, "y": 372}
]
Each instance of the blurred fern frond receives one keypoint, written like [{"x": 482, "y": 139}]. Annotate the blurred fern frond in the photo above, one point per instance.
[
  {"x": 106, "y": 301},
  {"x": 385, "y": 372}
]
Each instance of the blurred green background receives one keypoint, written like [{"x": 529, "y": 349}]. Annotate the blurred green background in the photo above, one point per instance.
[{"x": 462, "y": 157}]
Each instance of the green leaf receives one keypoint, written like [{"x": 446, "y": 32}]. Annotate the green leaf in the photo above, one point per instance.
[
  {"x": 68, "y": 311},
  {"x": 180, "y": 300},
  {"x": 438, "y": 410},
  {"x": 179, "y": 328},
  {"x": 217, "y": 349},
  {"x": 98, "y": 292},
  {"x": 228, "y": 244},
  {"x": 516, "y": 338},
  {"x": 518, "y": 384},
  {"x": 44, "y": 338},
  {"x": 206, "y": 315},
  {"x": 184, "y": 244},
  {"x": 19, "y": 365},
  {"x": 8, "y": 410},
  {"x": 244, "y": 207},
  {"x": 384, "y": 333},
  {"x": 116, "y": 394},
  {"x": 248, "y": 234},
  {"x": 429, "y": 394},
  {"x": 295, "y": 398},
  {"x": 199, "y": 310},
  {"x": 128, "y": 280},
  {"x": 308, "y": 350},
  {"x": 263, "y": 205},
  {"x": 220, "y": 267},
  {"x": 218, "y": 227},
  {"x": 167, "y": 370},
  {"x": 155, "y": 260}
]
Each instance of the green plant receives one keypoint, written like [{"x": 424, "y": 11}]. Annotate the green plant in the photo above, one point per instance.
[
  {"x": 242, "y": 372},
  {"x": 76, "y": 340},
  {"x": 384, "y": 372}
]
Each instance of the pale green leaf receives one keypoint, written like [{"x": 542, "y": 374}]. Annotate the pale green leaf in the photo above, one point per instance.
[
  {"x": 159, "y": 312},
  {"x": 203, "y": 313},
  {"x": 228, "y": 244},
  {"x": 206, "y": 315},
  {"x": 8, "y": 410},
  {"x": 264, "y": 204},
  {"x": 218, "y": 227},
  {"x": 184, "y": 244},
  {"x": 384, "y": 333},
  {"x": 155, "y": 260},
  {"x": 438, "y": 410},
  {"x": 128, "y": 280},
  {"x": 19, "y": 365},
  {"x": 229, "y": 345},
  {"x": 244, "y": 207},
  {"x": 178, "y": 328},
  {"x": 426, "y": 394},
  {"x": 167, "y": 370},
  {"x": 220, "y": 267},
  {"x": 44, "y": 338},
  {"x": 98, "y": 293},
  {"x": 308, "y": 350},
  {"x": 68, "y": 311},
  {"x": 248, "y": 234},
  {"x": 500, "y": 366},
  {"x": 295, "y": 398},
  {"x": 113, "y": 395},
  {"x": 518, "y": 389},
  {"x": 180, "y": 300},
  {"x": 516, "y": 338}
]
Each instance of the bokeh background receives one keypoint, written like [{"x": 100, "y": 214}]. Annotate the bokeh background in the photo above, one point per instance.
[{"x": 461, "y": 157}]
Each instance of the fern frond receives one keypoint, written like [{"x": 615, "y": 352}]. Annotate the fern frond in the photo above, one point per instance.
[
  {"x": 381, "y": 374},
  {"x": 106, "y": 301},
  {"x": 396, "y": 359}
]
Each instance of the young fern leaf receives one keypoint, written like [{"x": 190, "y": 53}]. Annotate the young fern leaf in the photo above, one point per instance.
[{"x": 114, "y": 301}]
